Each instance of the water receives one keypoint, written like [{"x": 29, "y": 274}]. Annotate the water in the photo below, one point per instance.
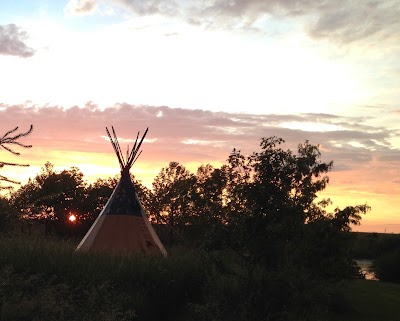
[{"x": 365, "y": 266}]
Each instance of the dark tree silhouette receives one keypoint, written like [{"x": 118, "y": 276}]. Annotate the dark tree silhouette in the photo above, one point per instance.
[
  {"x": 172, "y": 195},
  {"x": 8, "y": 141}
]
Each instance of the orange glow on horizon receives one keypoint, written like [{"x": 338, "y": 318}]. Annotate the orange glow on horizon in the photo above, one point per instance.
[{"x": 345, "y": 188}]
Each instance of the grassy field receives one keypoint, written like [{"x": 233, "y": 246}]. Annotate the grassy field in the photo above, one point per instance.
[
  {"x": 42, "y": 279},
  {"x": 45, "y": 280},
  {"x": 363, "y": 300}
]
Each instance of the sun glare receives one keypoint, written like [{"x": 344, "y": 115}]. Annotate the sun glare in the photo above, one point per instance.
[{"x": 72, "y": 218}]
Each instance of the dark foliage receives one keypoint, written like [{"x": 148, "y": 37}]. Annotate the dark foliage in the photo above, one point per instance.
[
  {"x": 387, "y": 263},
  {"x": 268, "y": 248},
  {"x": 7, "y": 214},
  {"x": 271, "y": 218}
]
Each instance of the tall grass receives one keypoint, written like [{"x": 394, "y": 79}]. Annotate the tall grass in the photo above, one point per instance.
[
  {"x": 364, "y": 300},
  {"x": 58, "y": 257},
  {"x": 147, "y": 286},
  {"x": 44, "y": 279}
]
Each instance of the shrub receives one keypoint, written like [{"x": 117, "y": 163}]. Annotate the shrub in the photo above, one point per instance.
[{"x": 387, "y": 266}]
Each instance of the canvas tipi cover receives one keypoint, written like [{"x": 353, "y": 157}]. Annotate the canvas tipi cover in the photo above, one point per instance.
[{"x": 122, "y": 227}]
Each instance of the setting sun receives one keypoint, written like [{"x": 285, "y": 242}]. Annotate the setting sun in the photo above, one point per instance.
[{"x": 72, "y": 218}]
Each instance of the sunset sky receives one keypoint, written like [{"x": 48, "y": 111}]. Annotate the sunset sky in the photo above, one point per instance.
[{"x": 207, "y": 77}]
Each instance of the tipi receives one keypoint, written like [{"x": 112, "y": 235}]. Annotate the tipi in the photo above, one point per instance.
[{"x": 122, "y": 226}]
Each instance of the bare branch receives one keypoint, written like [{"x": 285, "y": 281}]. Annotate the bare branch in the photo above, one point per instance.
[
  {"x": 7, "y": 139},
  {"x": 11, "y": 138},
  {"x": 3, "y": 178},
  {"x": 2, "y": 164}
]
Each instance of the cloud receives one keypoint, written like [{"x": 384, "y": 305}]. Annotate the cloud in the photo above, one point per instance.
[
  {"x": 150, "y": 7},
  {"x": 197, "y": 135},
  {"x": 12, "y": 41},
  {"x": 342, "y": 21},
  {"x": 365, "y": 164},
  {"x": 350, "y": 21},
  {"x": 364, "y": 161},
  {"x": 80, "y": 7}
]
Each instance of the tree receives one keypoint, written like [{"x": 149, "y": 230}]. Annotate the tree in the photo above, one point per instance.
[
  {"x": 12, "y": 138},
  {"x": 208, "y": 209},
  {"x": 97, "y": 195},
  {"x": 172, "y": 195},
  {"x": 386, "y": 263},
  {"x": 53, "y": 196},
  {"x": 209, "y": 195},
  {"x": 61, "y": 192},
  {"x": 7, "y": 213},
  {"x": 272, "y": 215}
]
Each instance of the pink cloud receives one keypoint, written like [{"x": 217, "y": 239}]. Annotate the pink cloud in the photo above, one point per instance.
[
  {"x": 212, "y": 136},
  {"x": 76, "y": 136}
]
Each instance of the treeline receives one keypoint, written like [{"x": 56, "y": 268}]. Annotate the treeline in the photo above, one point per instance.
[
  {"x": 262, "y": 206},
  {"x": 258, "y": 245},
  {"x": 268, "y": 249}
]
